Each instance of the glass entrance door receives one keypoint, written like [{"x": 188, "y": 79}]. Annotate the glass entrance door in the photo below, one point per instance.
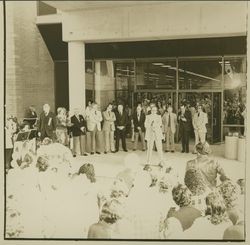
[{"x": 211, "y": 102}]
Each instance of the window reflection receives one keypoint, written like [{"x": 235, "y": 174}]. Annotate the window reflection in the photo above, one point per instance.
[
  {"x": 156, "y": 74},
  {"x": 200, "y": 74},
  {"x": 235, "y": 91}
]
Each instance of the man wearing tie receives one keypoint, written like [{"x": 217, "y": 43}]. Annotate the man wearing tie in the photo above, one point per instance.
[
  {"x": 109, "y": 129},
  {"x": 139, "y": 127},
  {"x": 169, "y": 121},
  {"x": 185, "y": 122},
  {"x": 94, "y": 126},
  {"x": 199, "y": 123},
  {"x": 47, "y": 123},
  {"x": 121, "y": 123}
]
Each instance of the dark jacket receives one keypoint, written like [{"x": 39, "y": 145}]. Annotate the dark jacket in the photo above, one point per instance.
[
  {"x": 47, "y": 124},
  {"x": 187, "y": 126},
  {"x": 76, "y": 128},
  {"x": 139, "y": 123},
  {"x": 121, "y": 120}
]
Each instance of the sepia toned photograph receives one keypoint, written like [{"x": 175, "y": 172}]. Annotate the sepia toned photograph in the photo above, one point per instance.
[{"x": 125, "y": 120}]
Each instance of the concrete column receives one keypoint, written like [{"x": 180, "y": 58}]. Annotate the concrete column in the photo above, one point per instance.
[
  {"x": 98, "y": 82},
  {"x": 76, "y": 58}
]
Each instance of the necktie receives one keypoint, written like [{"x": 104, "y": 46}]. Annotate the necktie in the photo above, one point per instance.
[
  {"x": 198, "y": 114},
  {"x": 169, "y": 121}
]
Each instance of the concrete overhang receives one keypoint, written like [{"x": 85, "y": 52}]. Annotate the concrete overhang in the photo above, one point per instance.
[{"x": 86, "y": 5}]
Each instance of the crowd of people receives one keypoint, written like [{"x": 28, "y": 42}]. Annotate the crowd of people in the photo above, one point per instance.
[
  {"x": 93, "y": 132},
  {"x": 50, "y": 196}
]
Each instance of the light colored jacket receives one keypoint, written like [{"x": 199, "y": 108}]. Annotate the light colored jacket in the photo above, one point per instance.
[
  {"x": 94, "y": 120},
  {"x": 173, "y": 121},
  {"x": 108, "y": 123},
  {"x": 153, "y": 125},
  {"x": 199, "y": 122}
]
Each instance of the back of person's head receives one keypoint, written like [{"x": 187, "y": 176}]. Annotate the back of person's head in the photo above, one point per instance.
[
  {"x": 89, "y": 171},
  {"x": 230, "y": 193},
  {"x": 203, "y": 148},
  {"x": 42, "y": 163},
  {"x": 216, "y": 208},
  {"x": 111, "y": 211},
  {"x": 181, "y": 195}
]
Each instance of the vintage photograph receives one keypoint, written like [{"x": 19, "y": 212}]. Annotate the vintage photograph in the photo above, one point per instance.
[{"x": 125, "y": 120}]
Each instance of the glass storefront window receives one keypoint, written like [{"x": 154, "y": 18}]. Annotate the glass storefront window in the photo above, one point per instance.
[
  {"x": 202, "y": 73},
  {"x": 157, "y": 74},
  {"x": 89, "y": 79},
  {"x": 235, "y": 90}
]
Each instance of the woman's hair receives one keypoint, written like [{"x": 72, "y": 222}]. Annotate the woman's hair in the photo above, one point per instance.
[
  {"x": 89, "y": 170},
  {"x": 181, "y": 195},
  {"x": 60, "y": 109},
  {"x": 194, "y": 180},
  {"x": 216, "y": 208},
  {"x": 203, "y": 148},
  {"x": 42, "y": 163},
  {"x": 111, "y": 211},
  {"x": 230, "y": 193}
]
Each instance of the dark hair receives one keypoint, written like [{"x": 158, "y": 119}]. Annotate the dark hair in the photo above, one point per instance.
[
  {"x": 89, "y": 170},
  {"x": 216, "y": 208},
  {"x": 230, "y": 193},
  {"x": 181, "y": 195}
]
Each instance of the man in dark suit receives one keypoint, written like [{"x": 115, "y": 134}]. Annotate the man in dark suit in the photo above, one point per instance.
[
  {"x": 121, "y": 123},
  {"x": 47, "y": 123},
  {"x": 78, "y": 130},
  {"x": 139, "y": 127},
  {"x": 185, "y": 125}
]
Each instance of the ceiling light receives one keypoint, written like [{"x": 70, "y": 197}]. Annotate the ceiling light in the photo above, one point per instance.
[{"x": 158, "y": 64}]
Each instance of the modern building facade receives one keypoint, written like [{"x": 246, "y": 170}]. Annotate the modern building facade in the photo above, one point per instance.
[{"x": 130, "y": 51}]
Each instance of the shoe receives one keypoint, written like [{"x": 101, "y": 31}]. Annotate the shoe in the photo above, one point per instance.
[
  {"x": 143, "y": 150},
  {"x": 126, "y": 150},
  {"x": 85, "y": 154},
  {"x": 74, "y": 155},
  {"x": 166, "y": 151},
  {"x": 92, "y": 153},
  {"x": 116, "y": 150},
  {"x": 194, "y": 152},
  {"x": 172, "y": 151},
  {"x": 182, "y": 151},
  {"x": 98, "y": 152},
  {"x": 113, "y": 151},
  {"x": 187, "y": 151},
  {"x": 105, "y": 152}
]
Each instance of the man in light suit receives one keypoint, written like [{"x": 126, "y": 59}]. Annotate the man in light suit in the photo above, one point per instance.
[
  {"x": 169, "y": 121},
  {"x": 199, "y": 123},
  {"x": 153, "y": 125},
  {"x": 94, "y": 126},
  {"x": 47, "y": 123},
  {"x": 139, "y": 127},
  {"x": 109, "y": 129}
]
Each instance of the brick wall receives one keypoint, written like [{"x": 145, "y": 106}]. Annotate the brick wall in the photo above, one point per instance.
[{"x": 29, "y": 66}]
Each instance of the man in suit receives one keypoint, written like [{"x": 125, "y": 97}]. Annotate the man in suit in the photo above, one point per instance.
[
  {"x": 109, "y": 129},
  {"x": 94, "y": 126},
  {"x": 153, "y": 125},
  {"x": 79, "y": 133},
  {"x": 139, "y": 127},
  {"x": 47, "y": 123},
  {"x": 185, "y": 125},
  {"x": 121, "y": 123},
  {"x": 169, "y": 121},
  {"x": 199, "y": 123}
]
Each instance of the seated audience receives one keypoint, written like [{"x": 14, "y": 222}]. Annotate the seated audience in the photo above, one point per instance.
[{"x": 110, "y": 214}]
